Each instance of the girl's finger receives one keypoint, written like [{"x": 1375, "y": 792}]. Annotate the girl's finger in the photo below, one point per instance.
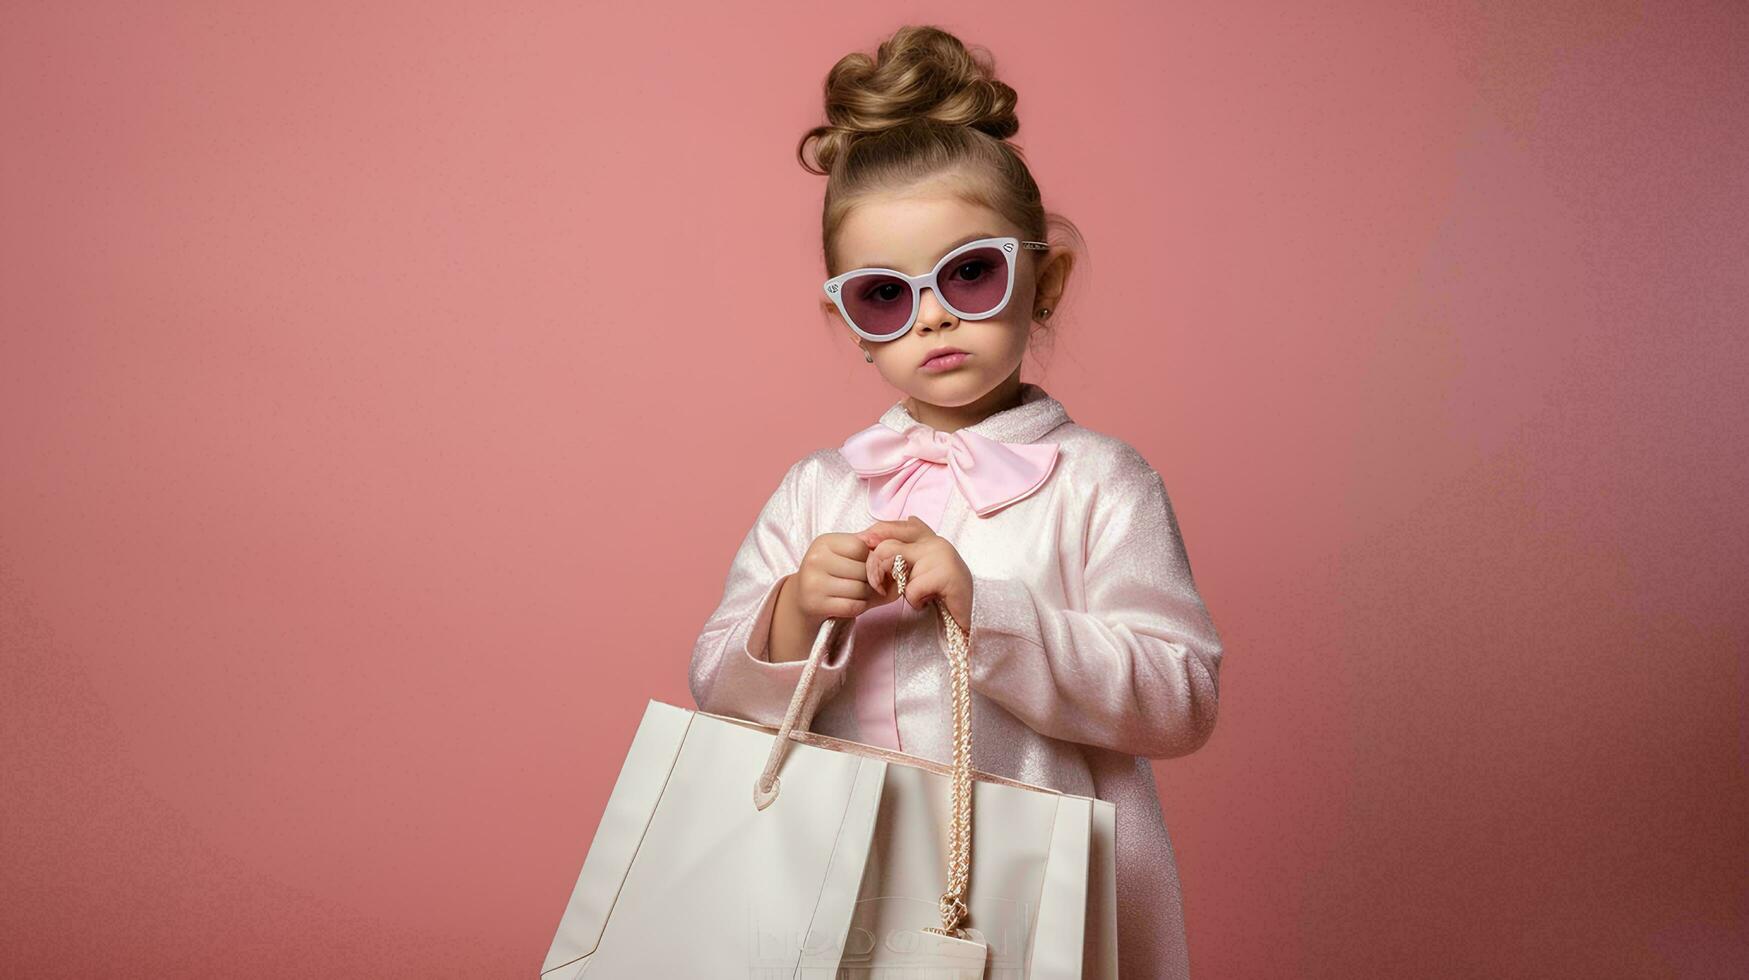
[
  {"x": 919, "y": 587},
  {"x": 839, "y": 566},
  {"x": 880, "y": 560},
  {"x": 909, "y": 529},
  {"x": 846, "y": 586},
  {"x": 880, "y": 565}
]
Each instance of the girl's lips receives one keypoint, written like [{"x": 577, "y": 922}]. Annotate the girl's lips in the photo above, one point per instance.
[{"x": 946, "y": 362}]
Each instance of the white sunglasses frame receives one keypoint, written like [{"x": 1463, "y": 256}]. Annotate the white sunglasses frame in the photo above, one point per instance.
[{"x": 1009, "y": 246}]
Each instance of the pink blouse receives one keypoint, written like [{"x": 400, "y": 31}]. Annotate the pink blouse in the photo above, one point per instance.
[
  {"x": 1091, "y": 650},
  {"x": 875, "y": 689}
]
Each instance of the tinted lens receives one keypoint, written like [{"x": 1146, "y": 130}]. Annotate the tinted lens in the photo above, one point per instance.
[
  {"x": 975, "y": 282},
  {"x": 877, "y": 303}
]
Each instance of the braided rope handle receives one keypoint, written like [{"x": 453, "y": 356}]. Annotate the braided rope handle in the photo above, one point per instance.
[{"x": 959, "y": 841}]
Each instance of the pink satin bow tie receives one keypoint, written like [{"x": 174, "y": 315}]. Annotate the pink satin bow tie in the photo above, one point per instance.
[{"x": 989, "y": 474}]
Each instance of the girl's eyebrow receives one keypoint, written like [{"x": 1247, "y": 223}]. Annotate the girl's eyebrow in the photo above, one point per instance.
[{"x": 969, "y": 238}]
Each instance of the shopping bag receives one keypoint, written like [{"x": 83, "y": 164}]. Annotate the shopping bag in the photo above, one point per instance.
[{"x": 733, "y": 849}]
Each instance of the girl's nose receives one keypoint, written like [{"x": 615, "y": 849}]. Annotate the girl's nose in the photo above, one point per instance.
[{"x": 930, "y": 312}]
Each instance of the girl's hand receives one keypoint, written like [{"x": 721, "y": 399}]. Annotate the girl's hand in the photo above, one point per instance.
[
  {"x": 933, "y": 566},
  {"x": 831, "y": 582}
]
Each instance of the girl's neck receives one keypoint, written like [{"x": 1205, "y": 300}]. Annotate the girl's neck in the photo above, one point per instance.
[{"x": 951, "y": 418}]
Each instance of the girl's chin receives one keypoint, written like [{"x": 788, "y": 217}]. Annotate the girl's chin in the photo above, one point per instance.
[{"x": 953, "y": 389}]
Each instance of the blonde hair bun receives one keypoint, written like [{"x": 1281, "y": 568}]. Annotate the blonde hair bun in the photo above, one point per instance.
[{"x": 920, "y": 76}]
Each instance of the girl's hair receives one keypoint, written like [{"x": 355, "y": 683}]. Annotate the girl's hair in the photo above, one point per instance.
[{"x": 924, "y": 106}]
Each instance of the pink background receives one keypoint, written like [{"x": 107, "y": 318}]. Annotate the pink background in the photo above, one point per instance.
[{"x": 383, "y": 393}]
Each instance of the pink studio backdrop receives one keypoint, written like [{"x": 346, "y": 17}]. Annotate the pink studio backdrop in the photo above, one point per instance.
[{"x": 384, "y": 391}]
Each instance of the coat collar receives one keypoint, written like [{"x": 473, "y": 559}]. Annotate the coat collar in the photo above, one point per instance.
[{"x": 1037, "y": 414}]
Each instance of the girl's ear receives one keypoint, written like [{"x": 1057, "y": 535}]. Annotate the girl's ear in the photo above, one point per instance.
[{"x": 1053, "y": 280}]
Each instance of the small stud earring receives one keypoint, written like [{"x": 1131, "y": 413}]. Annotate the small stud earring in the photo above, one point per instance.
[
  {"x": 1044, "y": 313},
  {"x": 867, "y": 356}
]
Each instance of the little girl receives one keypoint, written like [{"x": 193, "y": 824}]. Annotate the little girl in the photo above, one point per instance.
[{"x": 1053, "y": 546}]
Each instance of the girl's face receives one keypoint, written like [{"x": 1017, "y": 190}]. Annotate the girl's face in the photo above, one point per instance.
[{"x": 910, "y": 232}]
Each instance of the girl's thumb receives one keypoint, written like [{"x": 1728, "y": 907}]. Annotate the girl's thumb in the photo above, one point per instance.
[{"x": 873, "y": 566}]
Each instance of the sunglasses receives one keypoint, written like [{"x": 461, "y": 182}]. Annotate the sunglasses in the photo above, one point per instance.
[{"x": 882, "y": 304}]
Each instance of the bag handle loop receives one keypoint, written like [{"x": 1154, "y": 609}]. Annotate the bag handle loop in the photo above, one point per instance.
[{"x": 953, "y": 900}]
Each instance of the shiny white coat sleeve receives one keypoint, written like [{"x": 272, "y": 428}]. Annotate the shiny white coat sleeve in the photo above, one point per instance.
[
  {"x": 1137, "y": 671},
  {"x": 731, "y": 673}
]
